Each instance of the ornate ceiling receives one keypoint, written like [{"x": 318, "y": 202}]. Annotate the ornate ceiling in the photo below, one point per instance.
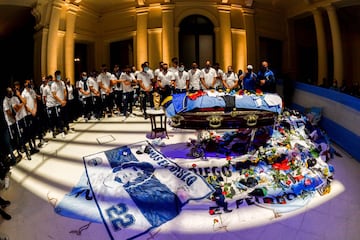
[{"x": 12, "y": 11}]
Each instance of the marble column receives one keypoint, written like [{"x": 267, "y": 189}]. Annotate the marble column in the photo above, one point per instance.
[
  {"x": 321, "y": 47},
  {"x": 239, "y": 49},
  {"x": 249, "y": 21},
  {"x": 141, "y": 36},
  {"x": 53, "y": 39},
  {"x": 69, "y": 42},
  {"x": 176, "y": 41},
  {"x": 155, "y": 51},
  {"x": 337, "y": 44},
  {"x": 218, "y": 45},
  {"x": 225, "y": 36},
  {"x": 168, "y": 32},
  {"x": 40, "y": 44}
]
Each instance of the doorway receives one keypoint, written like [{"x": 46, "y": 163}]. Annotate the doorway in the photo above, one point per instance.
[
  {"x": 121, "y": 53},
  {"x": 196, "y": 40}
]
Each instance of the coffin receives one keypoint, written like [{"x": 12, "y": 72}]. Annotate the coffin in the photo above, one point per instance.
[
  {"x": 219, "y": 119},
  {"x": 206, "y": 111}
]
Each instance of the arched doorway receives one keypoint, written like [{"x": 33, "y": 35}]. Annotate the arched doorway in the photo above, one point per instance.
[
  {"x": 121, "y": 53},
  {"x": 16, "y": 45},
  {"x": 196, "y": 40}
]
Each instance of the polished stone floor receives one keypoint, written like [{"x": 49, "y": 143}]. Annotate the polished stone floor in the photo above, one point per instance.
[{"x": 38, "y": 184}]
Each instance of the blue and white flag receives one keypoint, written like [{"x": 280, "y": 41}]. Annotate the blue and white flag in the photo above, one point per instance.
[{"x": 136, "y": 188}]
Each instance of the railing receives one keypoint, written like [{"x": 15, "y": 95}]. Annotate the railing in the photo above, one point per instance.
[{"x": 340, "y": 114}]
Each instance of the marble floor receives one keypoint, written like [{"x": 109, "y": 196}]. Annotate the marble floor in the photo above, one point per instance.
[{"x": 37, "y": 185}]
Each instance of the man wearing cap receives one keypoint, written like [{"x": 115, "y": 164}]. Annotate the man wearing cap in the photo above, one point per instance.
[{"x": 249, "y": 79}]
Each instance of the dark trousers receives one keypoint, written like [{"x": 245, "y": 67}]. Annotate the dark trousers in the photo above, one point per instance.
[
  {"x": 167, "y": 91},
  {"x": 71, "y": 110},
  {"x": 87, "y": 107},
  {"x": 56, "y": 118},
  {"x": 118, "y": 98},
  {"x": 14, "y": 136},
  {"x": 128, "y": 99},
  {"x": 23, "y": 132},
  {"x": 107, "y": 102},
  {"x": 43, "y": 119},
  {"x": 146, "y": 97},
  {"x": 5, "y": 142},
  {"x": 96, "y": 105}
]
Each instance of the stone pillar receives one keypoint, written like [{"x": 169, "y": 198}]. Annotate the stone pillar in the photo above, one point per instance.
[
  {"x": 168, "y": 32},
  {"x": 321, "y": 47},
  {"x": 176, "y": 42},
  {"x": 135, "y": 50},
  {"x": 155, "y": 51},
  {"x": 225, "y": 36},
  {"x": 290, "y": 61},
  {"x": 40, "y": 43},
  {"x": 69, "y": 42},
  {"x": 337, "y": 44},
  {"x": 218, "y": 46},
  {"x": 249, "y": 21},
  {"x": 53, "y": 40},
  {"x": 239, "y": 49},
  {"x": 141, "y": 36}
]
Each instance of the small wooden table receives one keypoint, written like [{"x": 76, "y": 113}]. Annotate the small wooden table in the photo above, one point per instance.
[{"x": 158, "y": 122}]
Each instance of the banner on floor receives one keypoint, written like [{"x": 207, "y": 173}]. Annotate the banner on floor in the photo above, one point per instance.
[{"x": 136, "y": 188}]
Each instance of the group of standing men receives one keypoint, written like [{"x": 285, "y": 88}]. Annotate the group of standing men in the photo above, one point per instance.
[
  {"x": 106, "y": 91},
  {"x": 29, "y": 113}
]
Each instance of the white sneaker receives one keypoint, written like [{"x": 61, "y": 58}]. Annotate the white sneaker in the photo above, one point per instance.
[{"x": 123, "y": 118}]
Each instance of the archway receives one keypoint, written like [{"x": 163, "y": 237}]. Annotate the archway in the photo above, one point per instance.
[
  {"x": 16, "y": 45},
  {"x": 196, "y": 40}
]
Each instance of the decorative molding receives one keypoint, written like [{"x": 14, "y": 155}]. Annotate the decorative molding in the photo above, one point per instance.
[
  {"x": 58, "y": 4},
  {"x": 249, "y": 3},
  {"x": 142, "y": 10},
  {"x": 72, "y": 8},
  {"x": 75, "y": 2},
  {"x": 224, "y": 8},
  {"x": 61, "y": 33},
  {"x": 140, "y": 3},
  {"x": 248, "y": 11},
  {"x": 154, "y": 30},
  {"x": 238, "y": 31},
  {"x": 167, "y": 7}
]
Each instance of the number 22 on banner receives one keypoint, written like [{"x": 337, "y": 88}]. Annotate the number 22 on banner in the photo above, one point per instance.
[{"x": 119, "y": 217}]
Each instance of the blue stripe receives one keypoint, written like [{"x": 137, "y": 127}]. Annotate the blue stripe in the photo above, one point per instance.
[
  {"x": 350, "y": 101},
  {"x": 97, "y": 204},
  {"x": 346, "y": 139}
]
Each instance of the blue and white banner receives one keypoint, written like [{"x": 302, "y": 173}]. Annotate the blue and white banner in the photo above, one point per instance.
[{"x": 136, "y": 188}]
